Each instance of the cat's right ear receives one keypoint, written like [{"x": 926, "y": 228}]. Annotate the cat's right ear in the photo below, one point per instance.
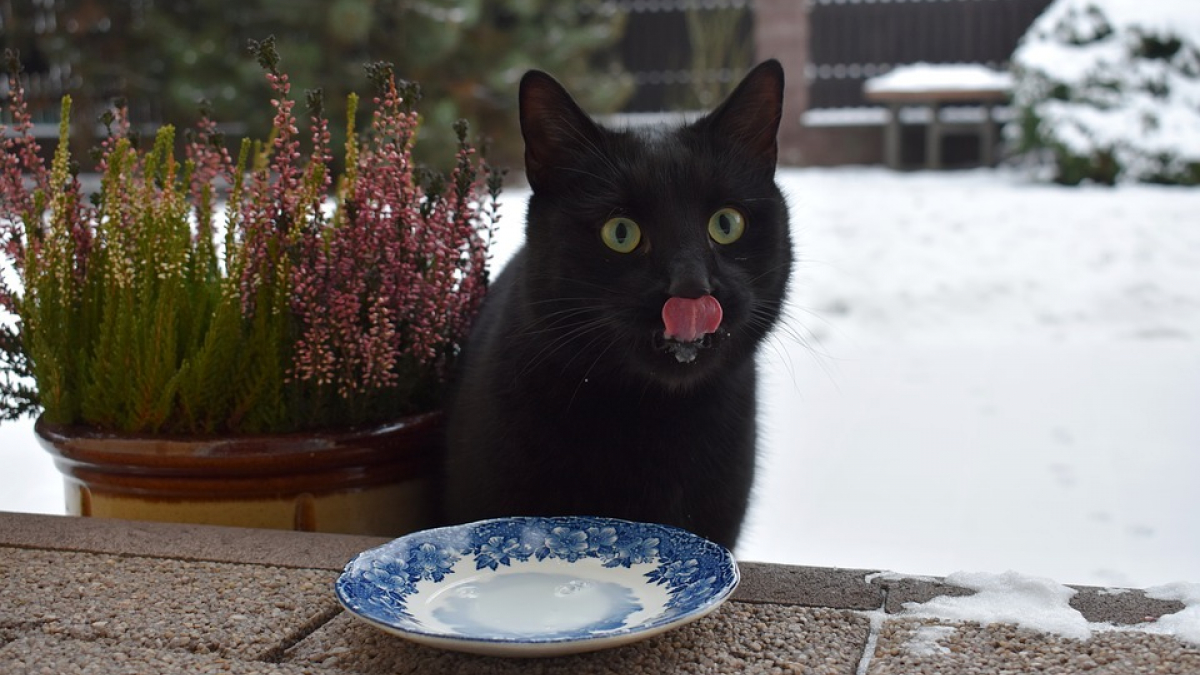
[
  {"x": 557, "y": 132},
  {"x": 750, "y": 116}
]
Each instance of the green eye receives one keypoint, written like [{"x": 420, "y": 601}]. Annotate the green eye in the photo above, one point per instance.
[
  {"x": 726, "y": 226},
  {"x": 621, "y": 234}
]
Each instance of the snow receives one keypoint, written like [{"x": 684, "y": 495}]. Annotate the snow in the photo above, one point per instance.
[
  {"x": 844, "y": 117},
  {"x": 1184, "y": 624},
  {"x": 978, "y": 373},
  {"x": 925, "y": 640},
  {"x": 1164, "y": 16},
  {"x": 920, "y": 114},
  {"x": 1001, "y": 375},
  {"x": 1065, "y": 63},
  {"x": 1038, "y": 604},
  {"x": 923, "y": 77},
  {"x": 1033, "y": 603}
]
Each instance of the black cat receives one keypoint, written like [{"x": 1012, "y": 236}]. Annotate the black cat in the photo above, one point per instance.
[{"x": 611, "y": 371}]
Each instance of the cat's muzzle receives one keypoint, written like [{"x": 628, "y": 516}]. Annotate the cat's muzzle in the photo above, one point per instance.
[{"x": 685, "y": 352}]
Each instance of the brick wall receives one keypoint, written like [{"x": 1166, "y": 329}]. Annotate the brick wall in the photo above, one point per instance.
[{"x": 781, "y": 32}]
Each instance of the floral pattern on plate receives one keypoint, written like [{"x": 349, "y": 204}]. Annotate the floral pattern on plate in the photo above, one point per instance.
[{"x": 664, "y": 576}]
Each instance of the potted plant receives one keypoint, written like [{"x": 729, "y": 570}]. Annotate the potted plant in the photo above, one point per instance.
[{"x": 243, "y": 341}]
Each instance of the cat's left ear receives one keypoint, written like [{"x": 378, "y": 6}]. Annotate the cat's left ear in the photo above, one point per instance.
[{"x": 749, "y": 117}]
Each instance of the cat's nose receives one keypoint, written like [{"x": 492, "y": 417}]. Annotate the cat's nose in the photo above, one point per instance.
[{"x": 690, "y": 280}]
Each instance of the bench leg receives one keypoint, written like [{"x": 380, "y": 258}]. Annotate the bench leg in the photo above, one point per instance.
[
  {"x": 891, "y": 138},
  {"x": 987, "y": 137},
  {"x": 933, "y": 138}
]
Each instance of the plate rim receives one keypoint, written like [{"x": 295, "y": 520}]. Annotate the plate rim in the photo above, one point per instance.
[{"x": 556, "y": 644}]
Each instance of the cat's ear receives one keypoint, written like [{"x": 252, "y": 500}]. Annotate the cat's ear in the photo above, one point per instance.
[
  {"x": 749, "y": 117},
  {"x": 557, "y": 132}
]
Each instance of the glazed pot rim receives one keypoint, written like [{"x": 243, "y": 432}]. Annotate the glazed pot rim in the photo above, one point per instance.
[
  {"x": 51, "y": 430},
  {"x": 401, "y": 446}
]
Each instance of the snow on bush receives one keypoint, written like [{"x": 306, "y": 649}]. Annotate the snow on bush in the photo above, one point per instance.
[{"x": 1109, "y": 90}]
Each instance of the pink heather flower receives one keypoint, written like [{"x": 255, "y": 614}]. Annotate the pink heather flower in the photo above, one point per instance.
[
  {"x": 379, "y": 294},
  {"x": 19, "y": 157},
  {"x": 211, "y": 162},
  {"x": 399, "y": 278}
]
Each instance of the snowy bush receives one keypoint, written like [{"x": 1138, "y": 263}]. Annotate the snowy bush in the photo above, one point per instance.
[{"x": 1109, "y": 90}]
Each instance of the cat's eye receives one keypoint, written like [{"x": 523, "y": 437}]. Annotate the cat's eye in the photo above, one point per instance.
[
  {"x": 621, "y": 234},
  {"x": 726, "y": 226}
]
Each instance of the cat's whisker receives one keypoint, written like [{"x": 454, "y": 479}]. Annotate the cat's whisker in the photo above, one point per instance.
[
  {"x": 563, "y": 340},
  {"x": 787, "y": 327},
  {"x": 556, "y": 320},
  {"x": 771, "y": 270},
  {"x": 604, "y": 179},
  {"x": 592, "y": 367},
  {"x": 788, "y": 320},
  {"x": 566, "y": 302},
  {"x": 755, "y": 200},
  {"x": 577, "y": 334},
  {"x": 777, "y": 345},
  {"x": 586, "y": 140},
  {"x": 763, "y": 317},
  {"x": 556, "y": 345},
  {"x": 574, "y": 281},
  {"x": 566, "y": 368}
]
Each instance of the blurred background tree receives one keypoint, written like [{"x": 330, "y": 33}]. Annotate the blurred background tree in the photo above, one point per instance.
[
  {"x": 721, "y": 51},
  {"x": 1105, "y": 93},
  {"x": 165, "y": 56}
]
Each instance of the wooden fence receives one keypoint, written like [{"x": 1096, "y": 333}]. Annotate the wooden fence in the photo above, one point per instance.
[
  {"x": 853, "y": 40},
  {"x": 685, "y": 54}
]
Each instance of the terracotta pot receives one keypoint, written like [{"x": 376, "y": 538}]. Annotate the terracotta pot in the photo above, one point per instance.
[{"x": 367, "y": 481}]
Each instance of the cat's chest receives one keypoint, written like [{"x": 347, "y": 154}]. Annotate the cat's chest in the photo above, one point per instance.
[{"x": 634, "y": 423}]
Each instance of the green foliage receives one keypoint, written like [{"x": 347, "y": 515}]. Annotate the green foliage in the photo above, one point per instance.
[
  {"x": 717, "y": 37},
  {"x": 167, "y": 55}
]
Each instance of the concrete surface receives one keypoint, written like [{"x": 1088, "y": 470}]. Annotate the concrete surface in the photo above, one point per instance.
[{"x": 105, "y": 596}]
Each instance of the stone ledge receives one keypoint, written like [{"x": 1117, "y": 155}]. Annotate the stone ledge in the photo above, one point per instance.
[
  {"x": 248, "y": 612},
  {"x": 932, "y": 647},
  {"x": 807, "y": 586},
  {"x": 737, "y": 638},
  {"x": 278, "y": 548},
  {"x": 845, "y": 589},
  {"x": 51, "y": 654}
]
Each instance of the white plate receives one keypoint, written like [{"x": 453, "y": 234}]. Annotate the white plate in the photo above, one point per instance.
[{"x": 537, "y": 586}]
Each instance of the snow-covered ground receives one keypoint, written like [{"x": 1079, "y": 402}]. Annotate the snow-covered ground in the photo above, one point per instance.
[
  {"x": 979, "y": 374},
  {"x": 1001, "y": 376}
]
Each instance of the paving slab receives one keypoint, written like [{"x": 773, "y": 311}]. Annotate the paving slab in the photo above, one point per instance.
[
  {"x": 279, "y": 548},
  {"x": 1122, "y": 606},
  {"x": 12, "y": 633},
  {"x": 808, "y": 586},
  {"x": 248, "y": 611},
  {"x": 901, "y": 590},
  {"x": 738, "y": 638},
  {"x": 928, "y": 647},
  {"x": 51, "y": 655}
]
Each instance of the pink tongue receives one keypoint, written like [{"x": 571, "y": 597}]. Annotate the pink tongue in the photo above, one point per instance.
[{"x": 689, "y": 319}]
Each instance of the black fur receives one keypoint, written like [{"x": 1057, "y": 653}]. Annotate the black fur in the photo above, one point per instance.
[{"x": 570, "y": 401}]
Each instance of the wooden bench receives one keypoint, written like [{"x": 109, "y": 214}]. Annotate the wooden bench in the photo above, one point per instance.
[{"x": 935, "y": 86}]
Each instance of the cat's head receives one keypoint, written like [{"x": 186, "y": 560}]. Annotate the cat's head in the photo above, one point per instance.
[{"x": 658, "y": 253}]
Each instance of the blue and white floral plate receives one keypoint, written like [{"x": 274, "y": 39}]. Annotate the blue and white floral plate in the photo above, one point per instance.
[{"x": 537, "y": 586}]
